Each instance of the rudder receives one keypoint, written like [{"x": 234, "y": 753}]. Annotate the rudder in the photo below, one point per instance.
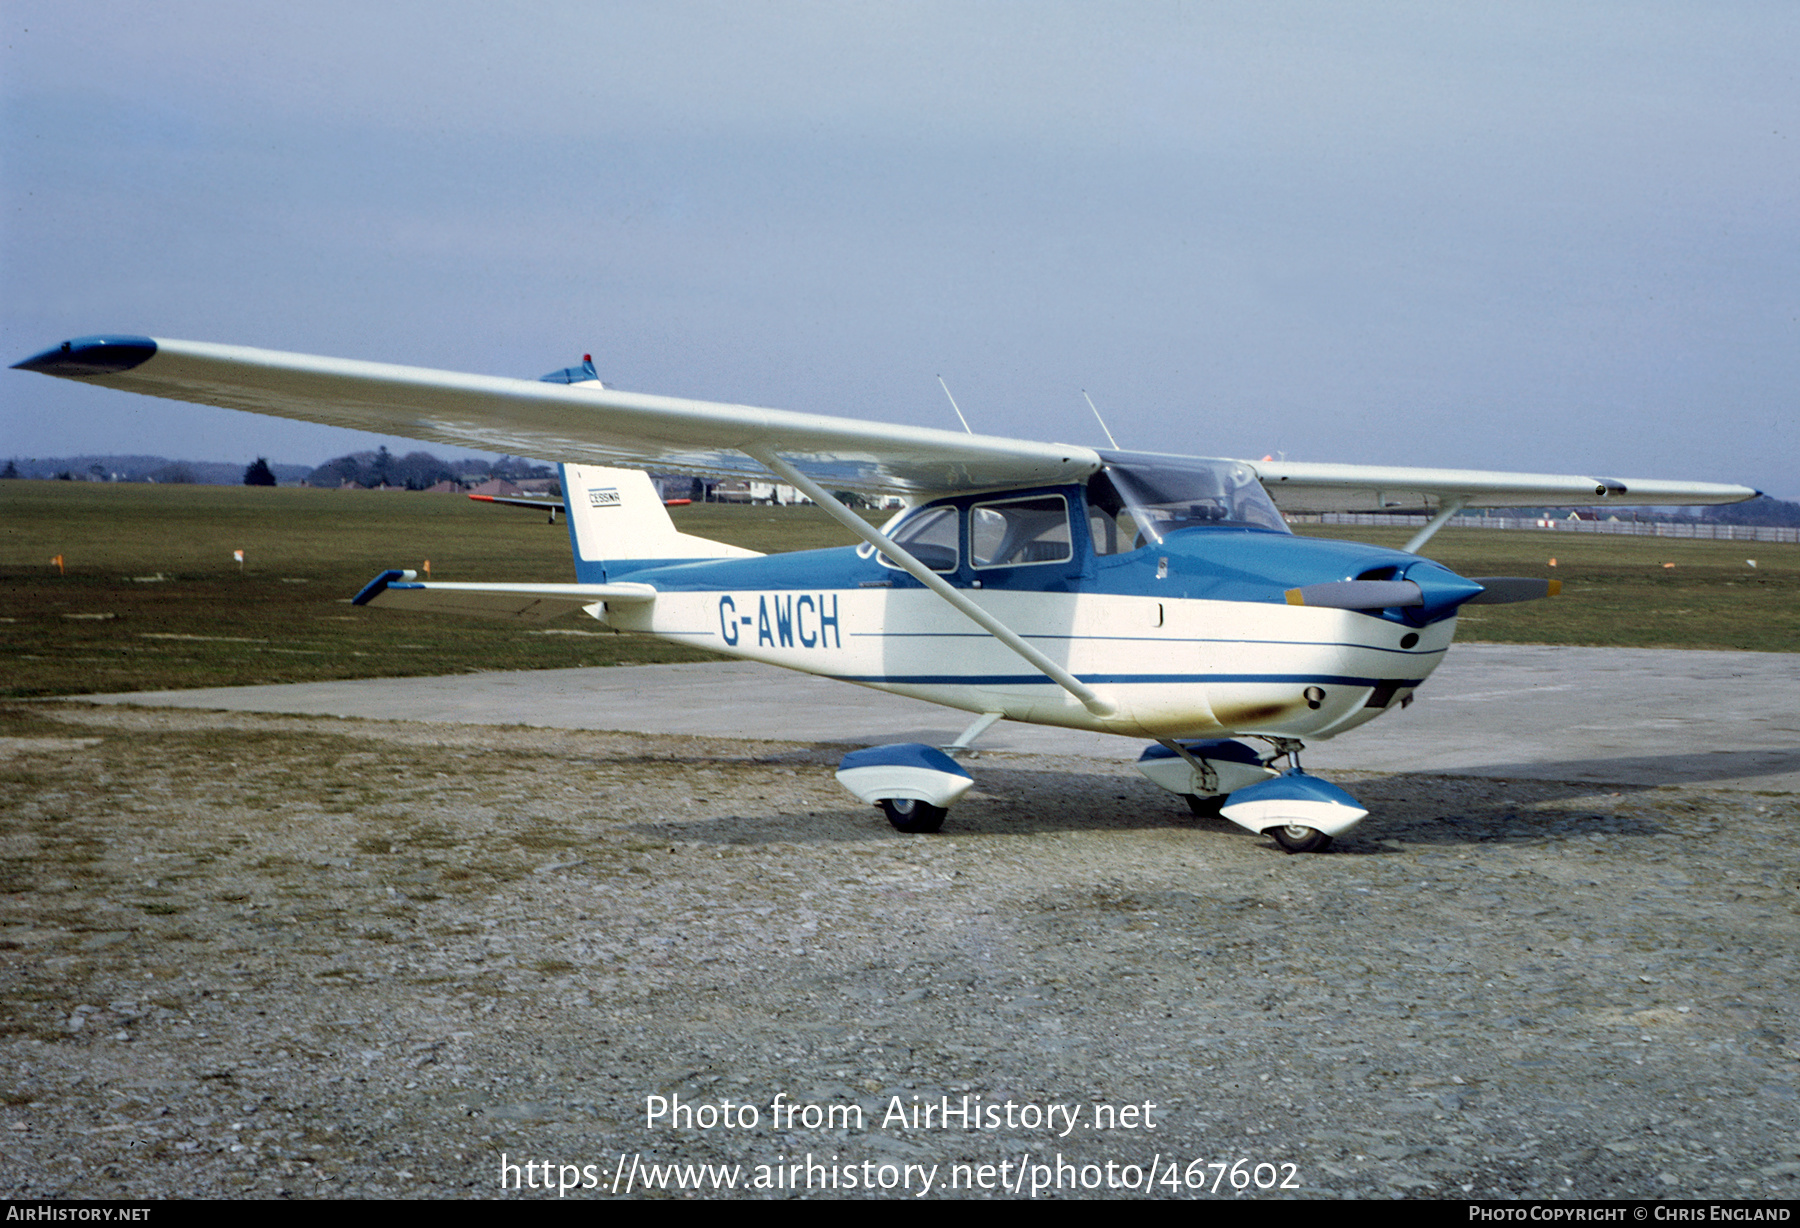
[{"x": 618, "y": 524}]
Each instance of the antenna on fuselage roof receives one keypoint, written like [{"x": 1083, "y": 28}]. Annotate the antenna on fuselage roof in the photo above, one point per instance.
[
  {"x": 1100, "y": 420},
  {"x": 955, "y": 406}
]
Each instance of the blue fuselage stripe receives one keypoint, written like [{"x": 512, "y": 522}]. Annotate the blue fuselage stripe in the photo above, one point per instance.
[
  {"x": 1123, "y": 679},
  {"x": 1146, "y": 639}
]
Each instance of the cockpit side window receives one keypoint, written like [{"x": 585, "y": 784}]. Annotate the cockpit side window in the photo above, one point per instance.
[
  {"x": 1020, "y": 532},
  {"x": 931, "y": 536}
]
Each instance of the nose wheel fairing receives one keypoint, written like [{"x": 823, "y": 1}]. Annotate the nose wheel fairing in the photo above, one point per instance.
[
  {"x": 1234, "y": 780},
  {"x": 1292, "y": 802}
]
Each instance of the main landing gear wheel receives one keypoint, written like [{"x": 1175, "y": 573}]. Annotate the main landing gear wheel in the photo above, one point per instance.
[
  {"x": 911, "y": 815},
  {"x": 1206, "y": 807},
  {"x": 1298, "y": 839}
]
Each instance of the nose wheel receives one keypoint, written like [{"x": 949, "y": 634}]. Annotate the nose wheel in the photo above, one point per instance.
[{"x": 1296, "y": 838}]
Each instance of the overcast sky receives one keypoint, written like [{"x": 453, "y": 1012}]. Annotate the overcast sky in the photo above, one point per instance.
[{"x": 1555, "y": 237}]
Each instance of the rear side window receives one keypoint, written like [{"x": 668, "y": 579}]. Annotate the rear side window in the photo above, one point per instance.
[{"x": 1020, "y": 532}]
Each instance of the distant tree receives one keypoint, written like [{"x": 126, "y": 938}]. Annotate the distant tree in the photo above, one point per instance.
[
  {"x": 11, "y": 470},
  {"x": 1760, "y": 510},
  {"x": 518, "y": 468},
  {"x": 343, "y": 469},
  {"x": 259, "y": 474},
  {"x": 176, "y": 474},
  {"x": 418, "y": 470},
  {"x": 415, "y": 470}
]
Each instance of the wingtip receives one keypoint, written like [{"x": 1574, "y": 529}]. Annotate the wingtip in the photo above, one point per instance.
[
  {"x": 381, "y": 583},
  {"x": 85, "y": 357}
]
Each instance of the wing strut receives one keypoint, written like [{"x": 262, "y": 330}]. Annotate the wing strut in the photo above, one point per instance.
[
  {"x": 1094, "y": 703},
  {"x": 1451, "y": 505}
]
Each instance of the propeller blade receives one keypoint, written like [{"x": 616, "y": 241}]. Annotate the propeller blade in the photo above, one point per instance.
[
  {"x": 1358, "y": 594},
  {"x": 1504, "y": 590}
]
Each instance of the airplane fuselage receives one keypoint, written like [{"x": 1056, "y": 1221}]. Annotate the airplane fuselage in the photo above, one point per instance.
[{"x": 1189, "y": 637}]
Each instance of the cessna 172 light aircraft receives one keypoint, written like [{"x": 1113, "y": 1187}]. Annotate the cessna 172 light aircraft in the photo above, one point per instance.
[{"x": 1160, "y": 597}]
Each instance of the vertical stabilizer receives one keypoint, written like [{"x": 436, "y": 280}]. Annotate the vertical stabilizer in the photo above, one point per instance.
[{"x": 618, "y": 524}]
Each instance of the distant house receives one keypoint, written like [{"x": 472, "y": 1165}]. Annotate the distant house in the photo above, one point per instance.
[{"x": 737, "y": 490}]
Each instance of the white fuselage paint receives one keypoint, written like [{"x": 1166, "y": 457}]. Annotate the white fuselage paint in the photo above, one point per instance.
[{"x": 1176, "y": 668}]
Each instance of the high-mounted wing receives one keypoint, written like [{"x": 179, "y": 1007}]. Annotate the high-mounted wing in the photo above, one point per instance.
[
  {"x": 580, "y": 422},
  {"x": 588, "y": 422}
]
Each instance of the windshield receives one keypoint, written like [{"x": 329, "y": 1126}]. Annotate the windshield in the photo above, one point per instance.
[{"x": 1151, "y": 496}]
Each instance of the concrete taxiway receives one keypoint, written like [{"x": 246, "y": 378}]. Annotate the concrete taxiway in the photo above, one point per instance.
[{"x": 1639, "y": 717}]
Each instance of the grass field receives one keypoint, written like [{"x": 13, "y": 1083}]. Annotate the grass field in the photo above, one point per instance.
[
  {"x": 153, "y": 599},
  {"x": 1622, "y": 591}
]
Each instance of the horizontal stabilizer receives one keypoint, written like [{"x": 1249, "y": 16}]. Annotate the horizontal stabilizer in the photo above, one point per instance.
[
  {"x": 539, "y": 503},
  {"x": 532, "y": 603}
]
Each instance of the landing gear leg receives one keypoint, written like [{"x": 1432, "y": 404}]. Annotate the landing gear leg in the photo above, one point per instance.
[{"x": 1291, "y": 747}]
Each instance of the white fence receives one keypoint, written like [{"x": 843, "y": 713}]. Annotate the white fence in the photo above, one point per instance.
[{"x": 1630, "y": 528}]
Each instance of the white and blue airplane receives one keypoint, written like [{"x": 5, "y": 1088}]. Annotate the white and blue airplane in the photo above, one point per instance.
[{"x": 1155, "y": 596}]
